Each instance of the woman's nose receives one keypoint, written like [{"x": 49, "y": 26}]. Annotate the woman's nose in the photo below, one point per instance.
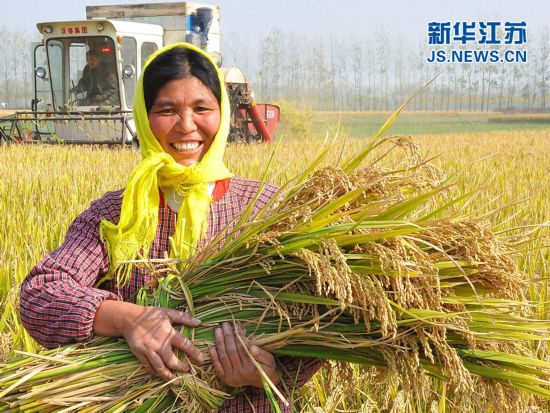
[{"x": 186, "y": 123}]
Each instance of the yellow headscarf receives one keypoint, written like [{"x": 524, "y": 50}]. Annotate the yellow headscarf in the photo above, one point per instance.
[{"x": 131, "y": 238}]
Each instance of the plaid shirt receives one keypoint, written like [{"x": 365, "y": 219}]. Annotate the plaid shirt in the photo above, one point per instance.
[{"x": 59, "y": 300}]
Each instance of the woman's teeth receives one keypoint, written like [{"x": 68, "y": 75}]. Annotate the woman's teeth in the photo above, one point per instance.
[{"x": 187, "y": 146}]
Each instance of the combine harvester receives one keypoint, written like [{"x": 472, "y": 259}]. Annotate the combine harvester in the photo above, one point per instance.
[{"x": 122, "y": 36}]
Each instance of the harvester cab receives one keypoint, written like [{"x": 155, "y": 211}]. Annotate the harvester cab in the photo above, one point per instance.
[{"x": 86, "y": 74}]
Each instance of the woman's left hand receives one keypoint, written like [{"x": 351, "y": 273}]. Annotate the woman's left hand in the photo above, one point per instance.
[{"x": 232, "y": 363}]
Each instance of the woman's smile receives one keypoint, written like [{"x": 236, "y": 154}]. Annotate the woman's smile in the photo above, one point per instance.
[{"x": 186, "y": 147}]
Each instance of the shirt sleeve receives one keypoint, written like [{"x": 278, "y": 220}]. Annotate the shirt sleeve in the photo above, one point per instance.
[
  {"x": 84, "y": 81},
  {"x": 296, "y": 371},
  {"x": 58, "y": 298},
  {"x": 109, "y": 86}
]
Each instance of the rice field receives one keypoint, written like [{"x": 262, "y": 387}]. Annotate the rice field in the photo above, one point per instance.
[
  {"x": 359, "y": 124},
  {"x": 507, "y": 173}
]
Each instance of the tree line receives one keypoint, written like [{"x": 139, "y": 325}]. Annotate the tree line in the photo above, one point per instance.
[
  {"x": 16, "y": 72},
  {"x": 343, "y": 74}
]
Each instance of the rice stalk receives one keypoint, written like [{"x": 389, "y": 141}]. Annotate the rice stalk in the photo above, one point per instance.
[{"x": 346, "y": 266}]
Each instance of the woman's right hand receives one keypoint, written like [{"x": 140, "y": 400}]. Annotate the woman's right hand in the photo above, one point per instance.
[{"x": 150, "y": 334}]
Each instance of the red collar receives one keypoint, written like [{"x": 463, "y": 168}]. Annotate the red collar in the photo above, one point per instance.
[{"x": 220, "y": 188}]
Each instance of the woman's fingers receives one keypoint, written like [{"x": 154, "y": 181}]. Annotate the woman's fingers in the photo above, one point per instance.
[
  {"x": 164, "y": 362},
  {"x": 233, "y": 346},
  {"x": 172, "y": 361},
  {"x": 265, "y": 358},
  {"x": 153, "y": 340},
  {"x": 240, "y": 335},
  {"x": 259, "y": 354},
  {"x": 218, "y": 368},
  {"x": 223, "y": 357},
  {"x": 184, "y": 344},
  {"x": 145, "y": 363},
  {"x": 241, "y": 332},
  {"x": 159, "y": 367},
  {"x": 180, "y": 317},
  {"x": 232, "y": 362}
]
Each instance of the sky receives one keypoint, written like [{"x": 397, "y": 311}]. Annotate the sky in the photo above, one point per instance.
[{"x": 404, "y": 19}]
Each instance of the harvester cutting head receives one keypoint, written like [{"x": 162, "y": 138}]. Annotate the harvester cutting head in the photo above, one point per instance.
[{"x": 250, "y": 122}]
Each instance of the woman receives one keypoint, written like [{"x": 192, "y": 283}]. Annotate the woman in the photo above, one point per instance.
[{"x": 178, "y": 197}]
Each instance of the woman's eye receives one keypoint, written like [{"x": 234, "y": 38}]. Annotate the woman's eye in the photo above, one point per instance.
[
  {"x": 201, "y": 109},
  {"x": 166, "y": 111}
]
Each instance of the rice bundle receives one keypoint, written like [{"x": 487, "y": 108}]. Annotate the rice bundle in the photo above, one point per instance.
[{"x": 352, "y": 265}]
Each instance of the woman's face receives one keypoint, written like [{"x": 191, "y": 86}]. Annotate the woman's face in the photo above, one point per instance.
[{"x": 184, "y": 118}]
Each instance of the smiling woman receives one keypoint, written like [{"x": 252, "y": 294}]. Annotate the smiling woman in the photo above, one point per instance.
[
  {"x": 185, "y": 118},
  {"x": 89, "y": 285},
  {"x": 182, "y": 98}
]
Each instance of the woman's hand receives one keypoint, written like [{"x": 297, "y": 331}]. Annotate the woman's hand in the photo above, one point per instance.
[
  {"x": 151, "y": 338},
  {"x": 232, "y": 363},
  {"x": 150, "y": 335}
]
